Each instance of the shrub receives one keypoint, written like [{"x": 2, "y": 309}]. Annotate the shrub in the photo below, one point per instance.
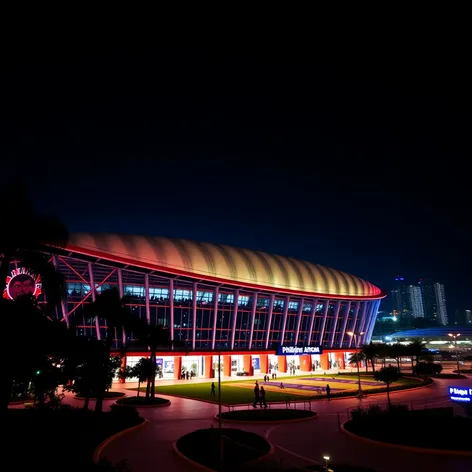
[
  {"x": 124, "y": 410},
  {"x": 373, "y": 410}
]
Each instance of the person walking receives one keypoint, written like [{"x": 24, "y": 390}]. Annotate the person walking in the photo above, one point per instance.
[
  {"x": 213, "y": 389},
  {"x": 256, "y": 394},
  {"x": 262, "y": 398},
  {"x": 328, "y": 392}
]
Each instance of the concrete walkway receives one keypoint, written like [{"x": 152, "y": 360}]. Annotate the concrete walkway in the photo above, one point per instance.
[{"x": 297, "y": 444}]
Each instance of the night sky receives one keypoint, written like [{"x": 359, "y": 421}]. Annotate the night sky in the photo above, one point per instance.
[{"x": 358, "y": 162}]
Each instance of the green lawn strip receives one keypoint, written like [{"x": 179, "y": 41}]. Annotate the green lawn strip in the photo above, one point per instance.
[{"x": 233, "y": 395}]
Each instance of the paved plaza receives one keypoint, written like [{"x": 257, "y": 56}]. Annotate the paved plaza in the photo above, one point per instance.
[{"x": 296, "y": 444}]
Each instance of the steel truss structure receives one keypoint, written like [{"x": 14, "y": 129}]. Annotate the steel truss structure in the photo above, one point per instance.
[{"x": 211, "y": 316}]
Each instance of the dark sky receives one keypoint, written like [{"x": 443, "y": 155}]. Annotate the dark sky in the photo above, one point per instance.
[{"x": 356, "y": 161}]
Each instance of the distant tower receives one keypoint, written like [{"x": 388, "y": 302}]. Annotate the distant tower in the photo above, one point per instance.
[
  {"x": 406, "y": 299},
  {"x": 441, "y": 303},
  {"x": 415, "y": 301},
  {"x": 434, "y": 301}
]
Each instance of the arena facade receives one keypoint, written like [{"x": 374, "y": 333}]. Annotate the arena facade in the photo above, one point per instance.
[{"x": 263, "y": 313}]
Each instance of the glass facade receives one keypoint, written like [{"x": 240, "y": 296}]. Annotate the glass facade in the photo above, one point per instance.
[{"x": 208, "y": 316}]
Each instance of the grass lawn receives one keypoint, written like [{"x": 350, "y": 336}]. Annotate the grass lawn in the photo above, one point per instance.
[{"x": 240, "y": 391}]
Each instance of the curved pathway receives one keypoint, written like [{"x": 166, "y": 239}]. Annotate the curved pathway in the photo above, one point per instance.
[{"x": 297, "y": 444}]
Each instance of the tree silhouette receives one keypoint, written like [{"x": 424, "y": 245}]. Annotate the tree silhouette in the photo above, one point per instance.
[
  {"x": 387, "y": 375},
  {"x": 370, "y": 352},
  {"x": 109, "y": 306},
  {"x": 415, "y": 349},
  {"x": 25, "y": 242}
]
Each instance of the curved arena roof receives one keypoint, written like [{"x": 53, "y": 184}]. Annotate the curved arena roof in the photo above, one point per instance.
[{"x": 221, "y": 263}]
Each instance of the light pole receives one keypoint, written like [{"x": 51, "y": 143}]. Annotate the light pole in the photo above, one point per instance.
[
  {"x": 455, "y": 336},
  {"x": 220, "y": 431},
  {"x": 326, "y": 459},
  {"x": 356, "y": 335}
]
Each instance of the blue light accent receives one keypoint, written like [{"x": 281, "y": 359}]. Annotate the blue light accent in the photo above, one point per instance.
[{"x": 460, "y": 394}]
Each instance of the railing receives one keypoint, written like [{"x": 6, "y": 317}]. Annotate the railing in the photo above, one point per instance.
[{"x": 289, "y": 403}]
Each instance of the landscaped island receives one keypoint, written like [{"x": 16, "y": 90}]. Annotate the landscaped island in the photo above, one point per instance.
[
  {"x": 239, "y": 447},
  {"x": 143, "y": 401},
  {"x": 263, "y": 415},
  {"x": 414, "y": 428}
]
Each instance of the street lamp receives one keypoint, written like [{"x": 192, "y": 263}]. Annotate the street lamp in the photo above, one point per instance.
[
  {"x": 356, "y": 335},
  {"x": 455, "y": 336},
  {"x": 220, "y": 431},
  {"x": 326, "y": 459}
]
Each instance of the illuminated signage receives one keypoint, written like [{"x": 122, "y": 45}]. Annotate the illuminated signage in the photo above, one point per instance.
[
  {"x": 21, "y": 282},
  {"x": 298, "y": 350},
  {"x": 460, "y": 394}
]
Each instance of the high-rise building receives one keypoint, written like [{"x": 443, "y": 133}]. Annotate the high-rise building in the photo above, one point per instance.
[
  {"x": 406, "y": 299},
  {"x": 434, "y": 301},
  {"x": 463, "y": 317},
  {"x": 415, "y": 301},
  {"x": 441, "y": 316}
]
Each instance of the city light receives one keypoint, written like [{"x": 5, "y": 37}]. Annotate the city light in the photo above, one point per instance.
[{"x": 455, "y": 336}]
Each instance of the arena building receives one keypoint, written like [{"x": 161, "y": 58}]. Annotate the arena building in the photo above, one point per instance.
[{"x": 263, "y": 313}]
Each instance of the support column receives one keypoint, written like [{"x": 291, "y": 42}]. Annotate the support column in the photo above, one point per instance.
[
  {"x": 123, "y": 367},
  {"x": 63, "y": 302},
  {"x": 324, "y": 361},
  {"x": 269, "y": 321},
  {"x": 235, "y": 317},
  {"x": 208, "y": 367},
  {"x": 146, "y": 293},
  {"x": 177, "y": 367},
  {"x": 282, "y": 364},
  {"x": 247, "y": 361},
  {"x": 171, "y": 309},
  {"x": 299, "y": 319},
  {"x": 216, "y": 295},
  {"x": 194, "y": 315},
  {"x": 253, "y": 316},
  {"x": 341, "y": 361},
  {"x": 226, "y": 365},
  {"x": 264, "y": 362},
  {"x": 284, "y": 320},
  {"x": 94, "y": 297},
  {"x": 305, "y": 363},
  {"x": 120, "y": 289}
]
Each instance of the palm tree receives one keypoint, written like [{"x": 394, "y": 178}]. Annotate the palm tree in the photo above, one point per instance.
[
  {"x": 387, "y": 375},
  {"x": 370, "y": 352},
  {"x": 384, "y": 351},
  {"x": 415, "y": 349},
  {"x": 397, "y": 352},
  {"x": 155, "y": 338},
  {"x": 109, "y": 306},
  {"x": 357, "y": 357}
]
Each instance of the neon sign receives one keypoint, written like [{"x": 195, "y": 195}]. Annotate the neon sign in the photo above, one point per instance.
[
  {"x": 298, "y": 350},
  {"x": 22, "y": 282},
  {"x": 460, "y": 394}
]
